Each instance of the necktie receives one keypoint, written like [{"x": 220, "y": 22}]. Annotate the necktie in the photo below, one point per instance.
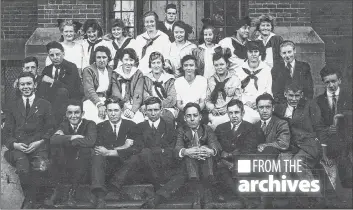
[
  {"x": 289, "y": 67},
  {"x": 195, "y": 140},
  {"x": 159, "y": 85},
  {"x": 294, "y": 108},
  {"x": 334, "y": 103},
  {"x": 154, "y": 130},
  {"x": 75, "y": 128},
  {"x": 251, "y": 75},
  {"x": 114, "y": 129},
  {"x": 149, "y": 42},
  {"x": 263, "y": 127},
  {"x": 91, "y": 50},
  {"x": 56, "y": 73},
  {"x": 219, "y": 88},
  {"x": 28, "y": 107}
]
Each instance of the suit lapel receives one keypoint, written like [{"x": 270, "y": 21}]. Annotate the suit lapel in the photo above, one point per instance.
[
  {"x": 238, "y": 132},
  {"x": 341, "y": 101},
  {"x": 34, "y": 107},
  {"x": 269, "y": 126},
  {"x": 188, "y": 134},
  {"x": 296, "y": 70},
  {"x": 21, "y": 106}
]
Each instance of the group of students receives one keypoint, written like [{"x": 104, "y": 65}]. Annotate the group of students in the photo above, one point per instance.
[{"x": 113, "y": 105}]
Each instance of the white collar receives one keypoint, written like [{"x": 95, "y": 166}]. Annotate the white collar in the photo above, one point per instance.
[
  {"x": 193, "y": 131},
  {"x": 262, "y": 65},
  {"x": 235, "y": 126},
  {"x": 206, "y": 48},
  {"x": 337, "y": 92},
  {"x": 78, "y": 126},
  {"x": 104, "y": 71},
  {"x": 291, "y": 63},
  {"x": 120, "y": 71},
  {"x": 156, "y": 123},
  {"x": 187, "y": 43},
  {"x": 145, "y": 35},
  {"x": 267, "y": 121},
  {"x": 235, "y": 39},
  {"x": 164, "y": 77},
  {"x": 268, "y": 39},
  {"x": 31, "y": 98},
  {"x": 117, "y": 125}
]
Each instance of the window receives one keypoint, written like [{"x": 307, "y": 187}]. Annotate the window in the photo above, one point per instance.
[
  {"x": 226, "y": 13},
  {"x": 125, "y": 10}
]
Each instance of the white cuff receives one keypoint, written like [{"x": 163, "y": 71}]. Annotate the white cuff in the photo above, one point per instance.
[
  {"x": 99, "y": 103},
  {"x": 180, "y": 153}
]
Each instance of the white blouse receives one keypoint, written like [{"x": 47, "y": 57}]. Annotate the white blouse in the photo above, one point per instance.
[
  {"x": 191, "y": 92},
  {"x": 103, "y": 80}
]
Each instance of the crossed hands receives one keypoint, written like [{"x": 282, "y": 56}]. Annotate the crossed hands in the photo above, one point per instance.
[
  {"x": 28, "y": 148},
  {"x": 199, "y": 153}
]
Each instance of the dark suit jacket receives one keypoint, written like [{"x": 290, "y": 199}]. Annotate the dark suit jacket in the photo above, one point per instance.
[
  {"x": 301, "y": 76},
  {"x": 20, "y": 128},
  {"x": 206, "y": 137},
  {"x": 305, "y": 126},
  {"x": 87, "y": 129},
  {"x": 277, "y": 132},
  {"x": 68, "y": 78},
  {"x": 164, "y": 139},
  {"x": 107, "y": 138},
  {"x": 161, "y": 27},
  {"x": 244, "y": 139}
]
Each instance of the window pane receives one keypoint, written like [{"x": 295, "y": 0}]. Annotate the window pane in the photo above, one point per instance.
[
  {"x": 128, "y": 18},
  {"x": 128, "y": 5},
  {"x": 117, "y": 5},
  {"x": 117, "y": 15},
  {"x": 218, "y": 12},
  {"x": 232, "y": 12}
]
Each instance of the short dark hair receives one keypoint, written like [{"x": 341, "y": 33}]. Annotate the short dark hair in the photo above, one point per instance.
[
  {"x": 75, "y": 102},
  {"x": 293, "y": 86},
  {"x": 181, "y": 24},
  {"x": 102, "y": 49},
  {"x": 236, "y": 102},
  {"x": 54, "y": 44},
  {"x": 265, "y": 97},
  {"x": 119, "y": 23},
  {"x": 208, "y": 24},
  {"x": 114, "y": 101},
  {"x": 286, "y": 43},
  {"x": 186, "y": 58},
  {"x": 26, "y": 74},
  {"x": 30, "y": 59},
  {"x": 257, "y": 45},
  {"x": 191, "y": 104},
  {"x": 92, "y": 23},
  {"x": 132, "y": 53},
  {"x": 328, "y": 70},
  {"x": 154, "y": 56},
  {"x": 170, "y": 6},
  {"x": 150, "y": 13},
  {"x": 153, "y": 100}
]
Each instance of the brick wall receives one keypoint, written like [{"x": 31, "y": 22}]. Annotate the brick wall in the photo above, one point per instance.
[
  {"x": 51, "y": 10},
  {"x": 18, "y": 18},
  {"x": 286, "y": 12}
]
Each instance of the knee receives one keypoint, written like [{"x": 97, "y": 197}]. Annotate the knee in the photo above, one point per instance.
[{"x": 40, "y": 164}]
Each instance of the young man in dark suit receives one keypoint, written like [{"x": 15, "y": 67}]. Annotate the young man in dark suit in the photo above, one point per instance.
[
  {"x": 29, "y": 64},
  {"x": 71, "y": 151},
  {"x": 238, "y": 138},
  {"x": 276, "y": 133},
  {"x": 166, "y": 26},
  {"x": 60, "y": 81},
  {"x": 304, "y": 118},
  {"x": 336, "y": 112},
  {"x": 28, "y": 127},
  {"x": 113, "y": 147},
  {"x": 291, "y": 71}
]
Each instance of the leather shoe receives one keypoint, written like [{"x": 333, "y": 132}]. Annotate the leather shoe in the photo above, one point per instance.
[
  {"x": 101, "y": 204},
  {"x": 27, "y": 204},
  {"x": 71, "y": 202}
]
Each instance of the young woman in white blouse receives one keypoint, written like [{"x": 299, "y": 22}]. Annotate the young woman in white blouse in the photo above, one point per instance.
[
  {"x": 73, "y": 50},
  {"x": 256, "y": 79},
  {"x": 206, "y": 49},
  {"x": 97, "y": 85},
  {"x": 152, "y": 40},
  {"x": 181, "y": 46},
  {"x": 93, "y": 38},
  {"x": 119, "y": 41},
  {"x": 190, "y": 87}
]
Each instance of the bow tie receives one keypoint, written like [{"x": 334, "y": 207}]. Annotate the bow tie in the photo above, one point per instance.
[
  {"x": 157, "y": 85},
  {"x": 219, "y": 88}
]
